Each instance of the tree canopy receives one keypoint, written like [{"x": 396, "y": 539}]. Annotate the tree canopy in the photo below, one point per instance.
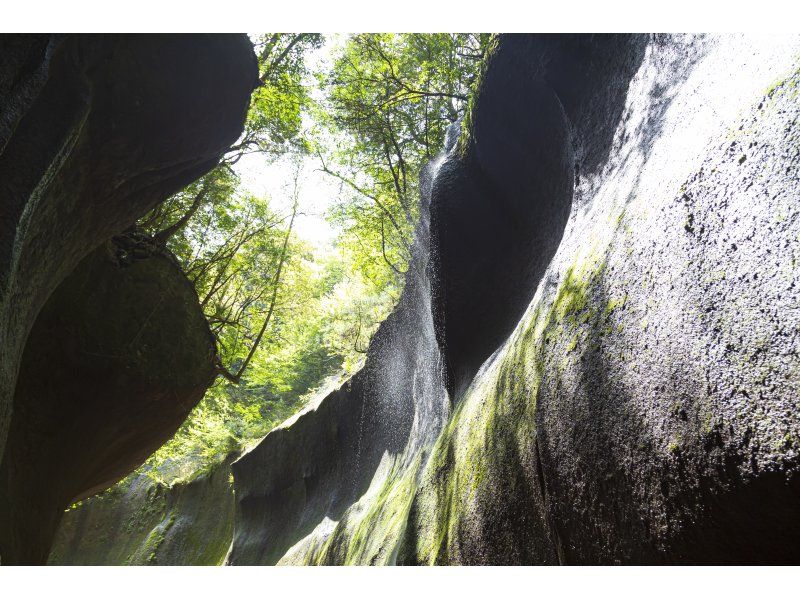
[
  {"x": 287, "y": 317},
  {"x": 389, "y": 99}
]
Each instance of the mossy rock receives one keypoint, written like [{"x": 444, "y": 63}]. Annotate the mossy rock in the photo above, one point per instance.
[
  {"x": 145, "y": 522},
  {"x": 638, "y": 401}
]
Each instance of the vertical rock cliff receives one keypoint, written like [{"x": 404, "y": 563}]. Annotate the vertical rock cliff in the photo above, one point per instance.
[
  {"x": 104, "y": 349},
  {"x": 595, "y": 359}
]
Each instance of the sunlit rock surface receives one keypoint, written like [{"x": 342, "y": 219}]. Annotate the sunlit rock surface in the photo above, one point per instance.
[{"x": 638, "y": 397}]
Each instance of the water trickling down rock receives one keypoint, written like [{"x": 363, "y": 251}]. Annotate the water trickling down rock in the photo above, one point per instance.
[{"x": 597, "y": 361}]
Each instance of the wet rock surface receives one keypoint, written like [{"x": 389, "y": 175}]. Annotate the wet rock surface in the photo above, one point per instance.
[
  {"x": 623, "y": 369},
  {"x": 499, "y": 211},
  {"x": 690, "y": 371}
]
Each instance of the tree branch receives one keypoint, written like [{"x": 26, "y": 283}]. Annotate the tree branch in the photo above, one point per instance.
[
  {"x": 165, "y": 235},
  {"x": 363, "y": 192},
  {"x": 284, "y": 53},
  {"x": 237, "y": 377}
]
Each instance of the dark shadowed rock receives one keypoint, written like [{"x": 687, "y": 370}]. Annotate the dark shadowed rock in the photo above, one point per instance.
[
  {"x": 498, "y": 217},
  {"x": 645, "y": 407},
  {"x": 611, "y": 299},
  {"x": 95, "y": 130},
  {"x": 615, "y": 292},
  {"x": 118, "y": 357},
  {"x": 282, "y": 494}
]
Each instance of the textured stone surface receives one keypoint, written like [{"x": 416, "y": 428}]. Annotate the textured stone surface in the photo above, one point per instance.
[
  {"x": 118, "y": 357},
  {"x": 150, "y": 523},
  {"x": 95, "y": 130},
  {"x": 613, "y": 300},
  {"x": 637, "y": 395},
  {"x": 645, "y": 408},
  {"x": 498, "y": 212}
]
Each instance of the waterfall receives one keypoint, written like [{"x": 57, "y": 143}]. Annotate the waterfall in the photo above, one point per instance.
[{"x": 406, "y": 379}]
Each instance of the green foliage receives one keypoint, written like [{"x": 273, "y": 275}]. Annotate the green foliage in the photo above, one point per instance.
[
  {"x": 389, "y": 100},
  {"x": 290, "y": 318},
  {"x": 321, "y": 325},
  {"x": 274, "y": 122}
]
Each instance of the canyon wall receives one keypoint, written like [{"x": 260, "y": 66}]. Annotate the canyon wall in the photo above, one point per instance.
[
  {"x": 614, "y": 296},
  {"x": 104, "y": 349},
  {"x": 595, "y": 357}
]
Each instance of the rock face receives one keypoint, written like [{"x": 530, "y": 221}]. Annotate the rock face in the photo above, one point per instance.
[
  {"x": 95, "y": 130},
  {"x": 117, "y": 358},
  {"x": 103, "y": 347},
  {"x": 613, "y": 294},
  {"x": 150, "y": 523}
]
